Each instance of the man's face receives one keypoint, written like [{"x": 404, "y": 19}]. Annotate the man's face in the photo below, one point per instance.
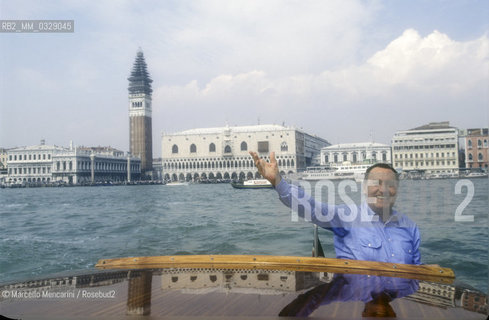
[{"x": 381, "y": 190}]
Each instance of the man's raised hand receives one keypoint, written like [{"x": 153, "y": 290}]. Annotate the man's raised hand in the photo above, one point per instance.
[{"x": 269, "y": 170}]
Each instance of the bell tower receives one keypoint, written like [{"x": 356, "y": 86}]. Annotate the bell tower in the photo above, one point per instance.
[{"x": 140, "y": 129}]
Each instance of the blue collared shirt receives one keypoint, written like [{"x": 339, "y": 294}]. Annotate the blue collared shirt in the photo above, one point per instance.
[
  {"x": 359, "y": 234},
  {"x": 350, "y": 287}
]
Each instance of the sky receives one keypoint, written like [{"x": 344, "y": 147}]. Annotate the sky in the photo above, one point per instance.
[{"x": 345, "y": 70}]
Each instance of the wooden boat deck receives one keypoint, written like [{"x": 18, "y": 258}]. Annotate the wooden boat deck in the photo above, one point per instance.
[
  {"x": 232, "y": 286},
  {"x": 178, "y": 304}
]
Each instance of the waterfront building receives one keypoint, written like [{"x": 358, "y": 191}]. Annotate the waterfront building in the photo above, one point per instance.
[
  {"x": 431, "y": 149},
  {"x": 157, "y": 169},
  {"x": 44, "y": 164},
  {"x": 140, "y": 124},
  {"x": 474, "y": 301},
  {"x": 222, "y": 153},
  {"x": 476, "y": 148},
  {"x": 31, "y": 164},
  {"x": 356, "y": 153},
  {"x": 85, "y": 165},
  {"x": 3, "y": 165},
  {"x": 448, "y": 296},
  {"x": 3, "y": 158},
  {"x": 434, "y": 294}
]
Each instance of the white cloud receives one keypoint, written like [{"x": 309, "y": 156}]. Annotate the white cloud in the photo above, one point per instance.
[
  {"x": 432, "y": 62},
  {"x": 413, "y": 75},
  {"x": 323, "y": 65}
]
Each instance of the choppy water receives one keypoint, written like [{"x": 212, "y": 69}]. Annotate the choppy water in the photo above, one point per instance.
[{"x": 48, "y": 230}]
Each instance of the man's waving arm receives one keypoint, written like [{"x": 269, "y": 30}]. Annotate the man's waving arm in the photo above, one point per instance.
[{"x": 295, "y": 198}]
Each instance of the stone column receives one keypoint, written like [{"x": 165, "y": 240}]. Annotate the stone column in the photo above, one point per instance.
[
  {"x": 92, "y": 164},
  {"x": 128, "y": 168}
]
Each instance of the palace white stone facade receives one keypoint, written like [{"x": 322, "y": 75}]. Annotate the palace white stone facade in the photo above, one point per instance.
[
  {"x": 42, "y": 164},
  {"x": 355, "y": 153},
  {"x": 431, "y": 148},
  {"x": 31, "y": 164},
  {"x": 222, "y": 153}
]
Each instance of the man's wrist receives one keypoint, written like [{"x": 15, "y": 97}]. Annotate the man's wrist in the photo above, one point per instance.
[
  {"x": 277, "y": 180},
  {"x": 282, "y": 187}
]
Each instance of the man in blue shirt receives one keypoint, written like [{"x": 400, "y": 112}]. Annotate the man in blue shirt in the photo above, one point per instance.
[{"x": 371, "y": 231}]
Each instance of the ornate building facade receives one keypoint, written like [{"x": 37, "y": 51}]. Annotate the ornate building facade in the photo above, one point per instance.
[
  {"x": 355, "y": 153},
  {"x": 431, "y": 148},
  {"x": 85, "y": 165},
  {"x": 222, "y": 153},
  {"x": 140, "y": 124},
  {"x": 31, "y": 164},
  {"x": 45, "y": 164},
  {"x": 477, "y": 148}
]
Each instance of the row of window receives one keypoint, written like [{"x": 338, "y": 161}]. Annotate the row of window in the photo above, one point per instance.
[
  {"x": 29, "y": 170},
  {"x": 25, "y": 157},
  {"x": 226, "y": 164},
  {"x": 479, "y": 143},
  {"x": 227, "y": 148},
  {"x": 30, "y": 180},
  {"x": 424, "y": 147},
  {"x": 480, "y": 157},
  {"x": 86, "y": 165},
  {"x": 168, "y": 160},
  {"x": 354, "y": 157},
  {"x": 481, "y": 165},
  {"x": 425, "y": 140},
  {"x": 421, "y": 155},
  {"x": 212, "y": 176},
  {"x": 58, "y": 166},
  {"x": 421, "y": 163},
  {"x": 68, "y": 166},
  {"x": 217, "y": 158}
]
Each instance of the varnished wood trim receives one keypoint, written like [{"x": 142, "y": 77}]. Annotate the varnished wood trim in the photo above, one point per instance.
[{"x": 292, "y": 263}]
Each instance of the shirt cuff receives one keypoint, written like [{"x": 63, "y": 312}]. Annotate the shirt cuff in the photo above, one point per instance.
[{"x": 282, "y": 188}]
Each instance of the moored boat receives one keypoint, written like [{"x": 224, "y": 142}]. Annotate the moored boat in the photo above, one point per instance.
[
  {"x": 177, "y": 183},
  {"x": 252, "y": 184},
  {"x": 477, "y": 175},
  {"x": 336, "y": 172}
]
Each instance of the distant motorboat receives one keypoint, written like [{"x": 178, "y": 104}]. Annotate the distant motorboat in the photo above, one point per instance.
[
  {"x": 476, "y": 175},
  {"x": 442, "y": 176},
  {"x": 252, "y": 184}
]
